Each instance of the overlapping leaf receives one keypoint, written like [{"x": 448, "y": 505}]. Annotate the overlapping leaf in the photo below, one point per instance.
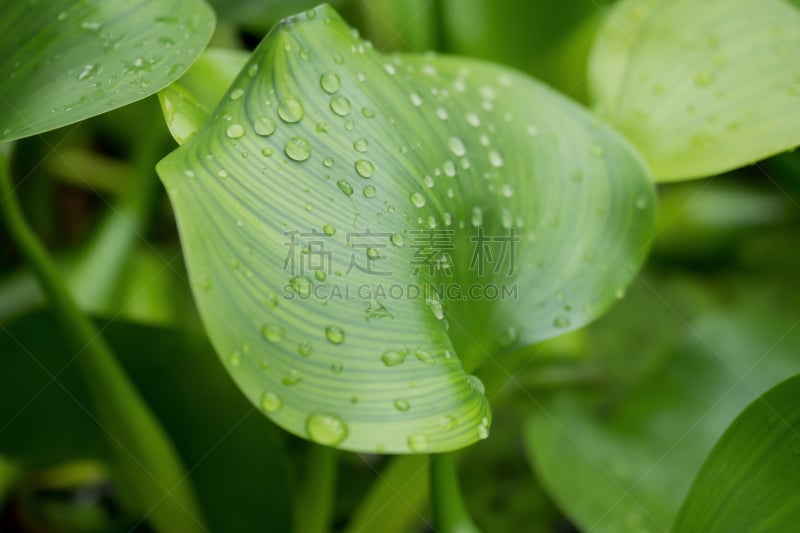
[
  {"x": 700, "y": 87},
  {"x": 751, "y": 479},
  {"x": 361, "y": 231},
  {"x": 65, "y": 61}
]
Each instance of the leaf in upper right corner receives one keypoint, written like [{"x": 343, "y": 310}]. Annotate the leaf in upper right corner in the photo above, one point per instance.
[
  {"x": 751, "y": 479},
  {"x": 700, "y": 87}
]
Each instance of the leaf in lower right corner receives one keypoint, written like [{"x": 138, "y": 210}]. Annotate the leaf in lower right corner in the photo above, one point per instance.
[{"x": 751, "y": 479}]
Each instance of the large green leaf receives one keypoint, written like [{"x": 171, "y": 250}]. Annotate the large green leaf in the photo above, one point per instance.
[
  {"x": 323, "y": 146},
  {"x": 751, "y": 479},
  {"x": 700, "y": 87},
  {"x": 679, "y": 362},
  {"x": 65, "y": 61}
]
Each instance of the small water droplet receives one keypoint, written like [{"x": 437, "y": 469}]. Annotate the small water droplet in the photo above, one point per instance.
[
  {"x": 222, "y": 173},
  {"x": 418, "y": 442},
  {"x": 393, "y": 357},
  {"x": 369, "y": 191},
  {"x": 252, "y": 70},
  {"x": 402, "y": 405},
  {"x": 325, "y": 429},
  {"x": 334, "y": 334},
  {"x": 235, "y": 131},
  {"x": 361, "y": 145},
  {"x": 425, "y": 357},
  {"x": 508, "y": 336},
  {"x": 417, "y": 199},
  {"x": 561, "y": 322},
  {"x": 320, "y": 275},
  {"x": 345, "y": 187},
  {"x": 495, "y": 159},
  {"x": 264, "y": 126},
  {"x": 272, "y": 332},
  {"x": 473, "y": 120},
  {"x": 329, "y": 229},
  {"x": 436, "y": 307},
  {"x": 397, "y": 239},
  {"x": 267, "y": 151},
  {"x": 476, "y": 384},
  {"x": 477, "y": 216},
  {"x": 457, "y": 146},
  {"x": 235, "y": 358},
  {"x": 304, "y": 348},
  {"x": 703, "y": 79},
  {"x": 270, "y": 402},
  {"x": 365, "y": 168},
  {"x": 329, "y": 82},
  {"x": 449, "y": 168},
  {"x": 416, "y": 100},
  {"x": 448, "y": 422},
  {"x": 340, "y": 105},
  {"x": 292, "y": 378},
  {"x": 298, "y": 149},
  {"x": 327, "y": 162},
  {"x": 337, "y": 368},
  {"x": 291, "y": 110},
  {"x": 367, "y": 112},
  {"x": 236, "y": 94}
]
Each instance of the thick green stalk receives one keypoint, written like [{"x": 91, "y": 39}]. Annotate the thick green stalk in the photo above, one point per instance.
[
  {"x": 449, "y": 513},
  {"x": 397, "y": 499},
  {"x": 149, "y": 465},
  {"x": 313, "y": 502}
]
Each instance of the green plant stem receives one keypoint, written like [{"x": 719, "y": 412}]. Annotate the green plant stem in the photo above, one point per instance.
[
  {"x": 397, "y": 498},
  {"x": 449, "y": 512},
  {"x": 313, "y": 503},
  {"x": 149, "y": 465}
]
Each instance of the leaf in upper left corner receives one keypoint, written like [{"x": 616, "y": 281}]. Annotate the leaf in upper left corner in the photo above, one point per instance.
[{"x": 66, "y": 61}]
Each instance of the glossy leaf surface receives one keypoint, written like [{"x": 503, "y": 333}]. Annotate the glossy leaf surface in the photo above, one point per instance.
[
  {"x": 65, "y": 61},
  {"x": 339, "y": 206},
  {"x": 700, "y": 87}
]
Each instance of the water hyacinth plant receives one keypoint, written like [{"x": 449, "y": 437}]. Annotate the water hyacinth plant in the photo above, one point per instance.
[{"x": 397, "y": 255}]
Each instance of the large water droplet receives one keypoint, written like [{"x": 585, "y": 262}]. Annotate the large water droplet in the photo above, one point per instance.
[
  {"x": 270, "y": 402},
  {"x": 235, "y": 131},
  {"x": 326, "y": 429},
  {"x": 365, "y": 168},
  {"x": 298, "y": 149},
  {"x": 329, "y": 82},
  {"x": 393, "y": 357},
  {"x": 272, "y": 332},
  {"x": 334, "y": 334},
  {"x": 291, "y": 110},
  {"x": 340, "y": 105}
]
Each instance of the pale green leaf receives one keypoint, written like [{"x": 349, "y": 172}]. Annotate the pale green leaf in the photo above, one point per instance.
[
  {"x": 65, "y": 61},
  {"x": 751, "y": 479},
  {"x": 320, "y": 141},
  {"x": 700, "y": 87},
  {"x": 188, "y": 102},
  {"x": 622, "y": 457}
]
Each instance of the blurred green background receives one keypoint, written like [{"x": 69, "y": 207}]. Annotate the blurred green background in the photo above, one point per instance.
[{"x": 708, "y": 326}]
